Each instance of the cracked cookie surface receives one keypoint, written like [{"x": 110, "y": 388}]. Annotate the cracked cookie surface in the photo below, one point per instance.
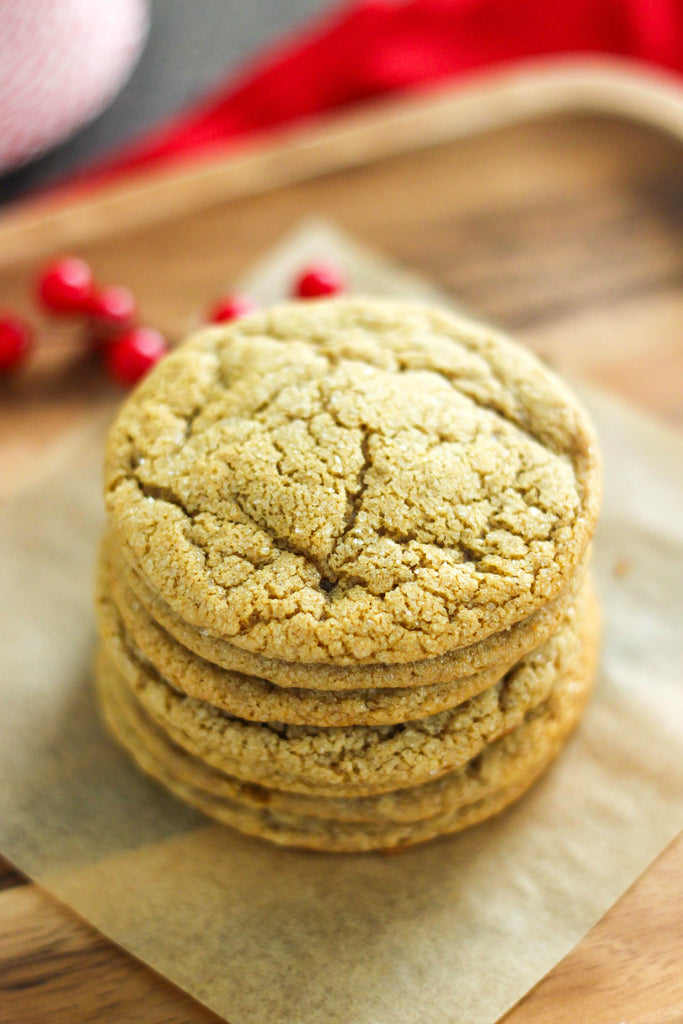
[
  {"x": 359, "y": 760},
  {"x": 352, "y": 480}
]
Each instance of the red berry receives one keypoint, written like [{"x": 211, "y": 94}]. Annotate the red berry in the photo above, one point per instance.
[
  {"x": 113, "y": 307},
  {"x": 232, "y": 307},
  {"x": 129, "y": 357},
  {"x": 66, "y": 285},
  {"x": 318, "y": 280},
  {"x": 16, "y": 338}
]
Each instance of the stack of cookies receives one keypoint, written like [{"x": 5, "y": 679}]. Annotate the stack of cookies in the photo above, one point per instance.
[{"x": 343, "y": 597}]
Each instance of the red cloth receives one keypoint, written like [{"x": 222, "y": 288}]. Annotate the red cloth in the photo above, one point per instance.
[{"x": 375, "y": 46}]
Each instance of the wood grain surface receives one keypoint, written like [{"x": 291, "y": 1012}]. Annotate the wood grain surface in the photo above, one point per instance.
[{"x": 569, "y": 232}]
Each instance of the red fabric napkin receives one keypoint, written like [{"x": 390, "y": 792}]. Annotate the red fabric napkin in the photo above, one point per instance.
[{"x": 375, "y": 46}]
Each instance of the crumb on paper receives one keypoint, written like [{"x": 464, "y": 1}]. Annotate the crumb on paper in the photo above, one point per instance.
[{"x": 622, "y": 567}]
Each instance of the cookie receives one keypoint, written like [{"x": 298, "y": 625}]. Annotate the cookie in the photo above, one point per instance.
[
  {"x": 358, "y": 760},
  {"x": 129, "y": 632},
  {"x": 130, "y": 635},
  {"x": 481, "y": 788},
  {"x": 505, "y": 763},
  {"x": 352, "y": 480},
  {"x": 498, "y": 652}
]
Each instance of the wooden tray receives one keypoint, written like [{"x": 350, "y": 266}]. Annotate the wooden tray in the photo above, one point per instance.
[{"x": 548, "y": 200}]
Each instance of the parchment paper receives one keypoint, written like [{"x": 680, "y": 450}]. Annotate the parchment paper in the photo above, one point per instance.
[{"x": 459, "y": 929}]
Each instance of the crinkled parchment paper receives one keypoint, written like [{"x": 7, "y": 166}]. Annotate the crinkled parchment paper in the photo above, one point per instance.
[{"x": 459, "y": 929}]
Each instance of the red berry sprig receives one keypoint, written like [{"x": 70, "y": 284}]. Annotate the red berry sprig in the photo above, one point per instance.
[
  {"x": 319, "y": 280},
  {"x": 66, "y": 285},
  {"x": 134, "y": 353},
  {"x": 112, "y": 308},
  {"x": 231, "y": 307},
  {"x": 16, "y": 339}
]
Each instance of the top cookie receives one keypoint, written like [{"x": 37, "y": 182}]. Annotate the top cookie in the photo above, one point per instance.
[{"x": 352, "y": 480}]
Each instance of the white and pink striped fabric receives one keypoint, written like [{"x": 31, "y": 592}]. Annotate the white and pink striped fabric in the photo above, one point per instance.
[{"x": 61, "y": 62}]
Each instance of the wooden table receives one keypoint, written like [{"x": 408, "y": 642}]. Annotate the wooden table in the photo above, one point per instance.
[{"x": 567, "y": 230}]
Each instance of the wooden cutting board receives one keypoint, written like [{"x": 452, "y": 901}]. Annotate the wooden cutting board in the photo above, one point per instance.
[{"x": 566, "y": 227}]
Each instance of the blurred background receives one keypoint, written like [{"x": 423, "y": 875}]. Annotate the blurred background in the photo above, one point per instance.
[
  {"x": 81, "y": 79},
  {"x": 536, "y": 186}
]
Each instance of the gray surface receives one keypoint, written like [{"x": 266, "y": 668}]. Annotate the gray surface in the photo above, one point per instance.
[{"x": 192, "y": 46}]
